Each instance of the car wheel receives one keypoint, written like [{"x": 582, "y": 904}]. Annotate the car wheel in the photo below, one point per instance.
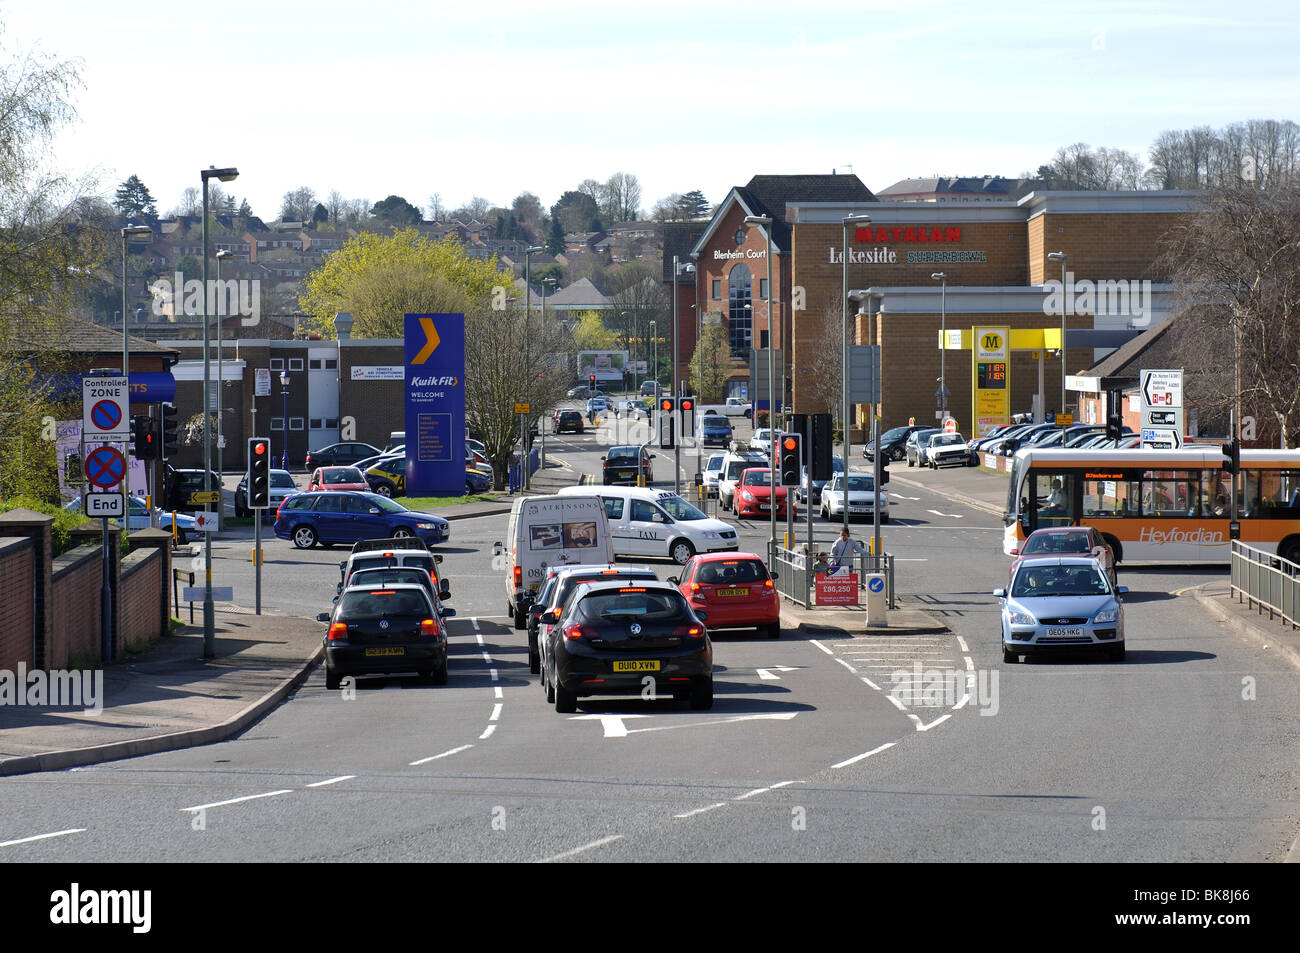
[
  {"x": 773, "y": 630},
  {"x": 383, "y": 489},
  {"x": 333, "y": 679},
  {"x": 304, "y": 537},
  {"x": 440, "y": 674},
  {"x": 403, "y": 533},
  {"x": 824, "y": 514},
  {"x": 702, "y": 693},
  {"x": 521, "y": 619},
  {"x": 550, "y": 688},
  {"x": 1009, "y": 657},
  {"x": 182, "y": 537},
  {"x": 680, "y": 551},
  {"x": 469, "y": 488},
  {"x": 1117, "y": 653},
  {"x": 910, "y": 464},
  {"x": 896, "y": 454},
  {"x": 534, "y": 658},
  {"x": 566, "y": 702},
  {"x": 884, "y": 518}
]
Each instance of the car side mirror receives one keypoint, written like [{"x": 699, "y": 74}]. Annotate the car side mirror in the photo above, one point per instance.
[
  {"x": 551, "y": 617},
  {"x": 374, "y": 511},
  {"x": 1000, "y": 593},
  {"x": 701, "y": 615},
  {"x": 338, "y": 588},
  {"x": 1122, "y": 590},
  {"x": 448, "y": 613},
  {"x": 323, "y": 617},
  {"x": 674, "y": 580},
  {"x": 775, "y": 576},
  {"x": 444, "y": 591}
]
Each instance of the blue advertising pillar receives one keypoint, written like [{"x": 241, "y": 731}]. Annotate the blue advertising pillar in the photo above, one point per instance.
[{"x": 435, "y": 404}]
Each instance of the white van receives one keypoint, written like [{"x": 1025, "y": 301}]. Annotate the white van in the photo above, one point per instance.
[
  {"x": 547, "y": 531},
  {"x": 647, "y": 522}
]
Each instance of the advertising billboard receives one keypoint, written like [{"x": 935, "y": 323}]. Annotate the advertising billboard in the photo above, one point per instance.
[
  {"x": 435, "y": 404},
  {"x": 607, "y": 366}
]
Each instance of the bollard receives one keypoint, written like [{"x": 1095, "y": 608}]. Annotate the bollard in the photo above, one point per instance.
[{"x": 876, "y": 604}]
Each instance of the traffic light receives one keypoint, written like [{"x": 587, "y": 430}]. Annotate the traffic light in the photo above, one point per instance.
[
  {"x": 259, "y": 473},
  {"x": 144, "y": 438},
  {"x": 591, "y": 383},
  {"x": 687, "y": 407},
  {"x": 1232, "y": 456},
  {"x": 884, "y": 470},
  {"x": 823, "y": 441},
  {"x": 666, "y": 422},
  {"x": 170, "y": 431},
  {"x": 1114, "y": 418},
  {"x": 790, "y": 459}
]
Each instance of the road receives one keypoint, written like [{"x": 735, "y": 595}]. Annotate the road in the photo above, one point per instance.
[{"x": 817, "y": 749}]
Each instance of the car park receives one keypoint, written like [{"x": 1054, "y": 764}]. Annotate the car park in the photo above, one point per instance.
[
  {"x": 569, "y": 421},
  {"x": 649, "y": 523},
  {"x": 281, "y": 486},
  {"x": 329, "y": 518},
  {"x": 628, "y": 465},
  {"x": 1067, "y": 540},
  {"x": 339, "y": 455},
  {"x": 384, "y": 631},
  {"x": 914, "y": 446},
  {"x": 864, "y": 497},
  {"x": 561, "y": 581},
  {"x": 337, "y": 479},
  {"x": 755, "y": 496},
  {"x": 735, "y": 590},
  {"x": 138, "y": 519},
  {"x": 612, "y": 637},
  {"x": 713, "y": 430},
  {"x": 1061, "y": 604},
  {"x": 947, "y": 450},
  {"x": 809, "y": 491},
  {"x": 893, "y": 443}
]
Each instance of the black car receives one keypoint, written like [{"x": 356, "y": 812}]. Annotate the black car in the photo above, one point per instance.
[
  {"x": 382, "y": 631},
  {"x": 559, "y": 586},
  {"x": 569, "y": 421},
  {"x": 339, "y": 455},
  {"x": 614, "y": 636},
  {"x": 181, "y": 483},
  {"x": 893, "y": 442},
  {"x": 628, "y": 465}
]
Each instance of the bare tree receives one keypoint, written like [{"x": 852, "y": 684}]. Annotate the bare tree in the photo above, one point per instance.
[
  {"x": 1236, "y": 265},
  {"x": 622, "y": 198},
  {"x": 298, "y": 205},
  {"x": 436, "y": 209}
]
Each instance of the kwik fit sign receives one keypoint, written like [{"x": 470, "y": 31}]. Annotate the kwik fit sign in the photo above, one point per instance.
[{"x": 435, "y": 404}]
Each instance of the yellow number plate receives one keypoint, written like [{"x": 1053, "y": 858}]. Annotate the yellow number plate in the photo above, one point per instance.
[
  {"x": 393, "y": 650},
  {"x": 646, "y": 666},
  {"x": 733, "y": 592}
]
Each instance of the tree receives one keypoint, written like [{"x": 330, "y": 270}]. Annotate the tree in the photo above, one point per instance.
[
  {"x": 622, "y": 198},
  {"x": 668, "y": 208},
  {"x": 437, "y": 211},
  {"x": 396, "y": 211},
  {"x": 298, "y": 205},
  {"x": 1236, "y": 268},
  {"x": 245, "y": 210},
  {"x": 573, "y": 212},
  {"x": 695, "y": 205},
  {"x": 591, "y": 334},
  {"x": 320, "y": 215},
  {"x": 133, "y": 199},
  {"x": 380, "y": 278},
  {"x": 709, "y": 364},
  {"x": 555, "y": 240}
]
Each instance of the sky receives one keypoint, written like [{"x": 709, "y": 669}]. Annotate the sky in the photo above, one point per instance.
[{"x": 493, "y": 99}]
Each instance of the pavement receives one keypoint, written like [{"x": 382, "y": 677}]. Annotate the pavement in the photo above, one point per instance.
[{"x": 171, "y": 697}]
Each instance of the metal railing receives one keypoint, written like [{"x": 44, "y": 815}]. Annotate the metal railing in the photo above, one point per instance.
[
  {"x": 1266, "y": 580},
  {"x": 796, "y": 575}
]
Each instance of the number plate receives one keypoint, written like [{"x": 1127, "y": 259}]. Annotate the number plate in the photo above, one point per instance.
[
  {"x": 390, "y": 650},
  {"x": 733, "y": 592},
  {"x": 639, "y": 666},
  {"x": 1057, "y": 632}
]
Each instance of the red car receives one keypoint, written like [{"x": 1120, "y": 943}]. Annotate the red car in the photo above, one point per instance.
[
  {"x": 734, "y": 591},
  {"x": 338, "y": 478},
  {"x": 1067, "y": 541},
  {"x": 753, "y": 496}
]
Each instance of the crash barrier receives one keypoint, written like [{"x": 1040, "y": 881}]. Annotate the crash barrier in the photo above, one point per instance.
[
  {"x": 1264, "y": 580},
  {"x": 797, "y": 575}
]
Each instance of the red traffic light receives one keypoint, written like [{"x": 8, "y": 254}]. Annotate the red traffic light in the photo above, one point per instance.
[
  {"x": 687, "y": 403},
  {"x": 791, "y": 443},
  {"x": 259, "y": 448},
  {"x": 666, "y": 404}
]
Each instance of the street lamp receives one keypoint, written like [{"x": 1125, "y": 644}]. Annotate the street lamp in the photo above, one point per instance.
[
  {"x": 1060, "y": 256},
  {"x": 858, "y": 218},
  {"x": 129, "y": 232},
  {"x": 541, "y": 420},
  {"x": 209, "y": 620},
  {"x": 528, "y": 287},
  {"x": 765, "y": 222},
  {"x": 679, "y": 268},
  {"x": 284, "y": 394},
  {"x": 654, "y": 356},
  {"x": 222, "y": 255},
  {"x": 943, "y": 344}
]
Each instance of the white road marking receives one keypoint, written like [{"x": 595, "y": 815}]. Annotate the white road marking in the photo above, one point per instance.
[
  {"x": 497, "y": 692},
  {"x": 847, "y": 665},
  {"x": 487, "y": 733},
  {"x": 938, "y": 721},
  {"x": 578, "y": 850},
  {"x": 749, "y": 794},
  {"x": 765, "y": 674},
  {"x": 962, "y": 642},
  {"x": 897, "y": 704},
  {"x": 445, "y": 754},
  {"x": 487, "y": 657},
  {"x": 28, "y": 840},
  {"x": 822, "y": 647},
  {"x": 474, "y": 619},
  {"x": 866, "y": 754},
  {"x": 236, "y": 800},
  {"x": 496, "y": 712},
  {"x": 321, "y": 784},
  {"x": 954, "y": 516},
  {"x": 772, "y": 716},
  {"x": 871, "y": 683},
  {"x": 495, "y": 675},
  {"x": 701, "y": 810}
]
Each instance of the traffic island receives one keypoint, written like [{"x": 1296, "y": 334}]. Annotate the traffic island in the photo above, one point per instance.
[{"x": 851, "y": 621}]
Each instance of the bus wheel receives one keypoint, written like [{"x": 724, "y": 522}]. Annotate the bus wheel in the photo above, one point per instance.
[{"x": 1290, "y": 549}]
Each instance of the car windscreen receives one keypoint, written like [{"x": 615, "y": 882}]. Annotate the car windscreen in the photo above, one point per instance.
[
  {"x": 727, "y": 571},
  {"x": 1035, "y": 581},
  {"x": 891, "y": 435},
  {"x": 714, "y": 422},
  {"x": 679, "y": 509},
  {"x": 630, "y": 605},
  {"x": 945, "y": 440},
  {"x": 619, "y": 454},
  {"x": 1056, "y": 543},
  {"x": 281, "y": 480},
  {"x": 378, "y": 578},
  {"x": 861, "y": 483},
  {"x": 736, "y": 467},
  {"x": 574, "y": 580},
  {"x": 759, "y": 478},
  {"x": 378, "y": 603}
]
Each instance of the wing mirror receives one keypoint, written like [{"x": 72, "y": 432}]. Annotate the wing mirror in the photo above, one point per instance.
[
  {"x": 323, "y": 617},
  {"x": 551, "y": 617},
  {"x": 1000, "y": 593}
]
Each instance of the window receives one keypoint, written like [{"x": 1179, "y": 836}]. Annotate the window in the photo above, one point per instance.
[
  {"x": 1055, "y": 495},
  {"x": 716, "y": 289},
  {"x": 1110, "y": 494},
  {"x": 277, "y": 363},
  {"x": 295, "y": 363},
  {"x": 277, "y": 423},
  {"x": 1170, "y": 493},
  {"x": 331, "y": 364},
  {"x": 295, "y": 423},
  {"x": 331, "y": 423},
  {"x": 762, "y": 288},
  {"x": 1272, "y": 494},
  {"x": 314, "y": 364},
  {"x": 613, "y": 507},
  {"x": 740, "y": 314},
  {"x": 644, "y": 512},
  {"x": 316, "y": 423},
  {"x": 330, "y": 503}
]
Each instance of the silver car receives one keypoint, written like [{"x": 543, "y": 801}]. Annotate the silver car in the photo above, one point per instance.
[{"x": 1061, "y": 603}]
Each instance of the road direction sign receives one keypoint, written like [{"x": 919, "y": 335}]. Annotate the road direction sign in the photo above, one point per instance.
[
  {"x": 206, "y": 521},
  {"x": 199, "y": 593},
  {"x": 104, "y": 505},
  {"x": 523, "y": 408},
  {"x": 205, "y": 496},
  {"x": 1162, "y": 439},
  {"x": 104, "y": 415},
  {"x": 1161, "y": 417},
  {"x": 105, "y": 467}
]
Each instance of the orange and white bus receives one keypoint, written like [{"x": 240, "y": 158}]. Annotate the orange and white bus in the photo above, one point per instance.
[{"x": 1160, "y": 505}]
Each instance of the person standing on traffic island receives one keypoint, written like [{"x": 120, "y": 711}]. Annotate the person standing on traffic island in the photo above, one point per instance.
[{"x": 845, "y": 548}]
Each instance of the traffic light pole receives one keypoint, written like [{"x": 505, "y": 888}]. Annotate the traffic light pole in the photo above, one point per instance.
[{"x": 876, "y": 458}]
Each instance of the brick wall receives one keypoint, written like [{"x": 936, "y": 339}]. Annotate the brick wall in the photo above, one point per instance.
[
  {"x": 76, "y": 586},
  {"x": 17, "y": 583},
  {"x": 142, "y": 580},
  {"x": 1099, "y": 246}
]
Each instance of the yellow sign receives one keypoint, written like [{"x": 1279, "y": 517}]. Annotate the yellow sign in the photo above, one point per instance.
[
  {"x": 1064, "y": 420},
  {"x": 990, "y": 379},
  {"x": 431, "y": 341},
  {"x": 205, "y": 496},
  {"x": 523, "y": 408}
]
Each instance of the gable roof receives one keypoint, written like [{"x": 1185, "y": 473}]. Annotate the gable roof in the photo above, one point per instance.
[
  {"x": 74, "y": 336},
  {"x": 1119, "y": 362}
]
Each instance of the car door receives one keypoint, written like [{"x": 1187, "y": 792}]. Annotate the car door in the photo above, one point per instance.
[{"x": 649, "y": 528}]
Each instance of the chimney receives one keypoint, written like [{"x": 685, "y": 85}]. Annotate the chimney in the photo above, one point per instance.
[{"x": 343, "y": 325}]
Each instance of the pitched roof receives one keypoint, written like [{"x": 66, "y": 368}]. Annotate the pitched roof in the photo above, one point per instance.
[
  {"x": 72, "y": 335},
  {"x": 1119, "y": 362}
]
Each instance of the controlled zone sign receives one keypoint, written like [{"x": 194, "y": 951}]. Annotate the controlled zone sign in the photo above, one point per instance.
[
  {"x": 104, "y": 416},
  {"x": 435, "y": 404}
]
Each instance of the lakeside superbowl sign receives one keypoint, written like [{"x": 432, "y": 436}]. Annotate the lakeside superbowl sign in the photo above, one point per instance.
[{"x": 435, "y": 404}]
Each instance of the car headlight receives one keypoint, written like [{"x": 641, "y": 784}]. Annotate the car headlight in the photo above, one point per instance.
[
  {"x": 709, "y": 534},
  {"x": 746, "y": 495},
  {"x": 1019, "y": 617},
  {"x": 428, "y": 526},
  {"x": 1106, "y": 615}
]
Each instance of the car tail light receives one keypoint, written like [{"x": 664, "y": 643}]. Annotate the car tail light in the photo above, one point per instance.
[
  {"x": 519, "y": 577},
  {"x": 339, "y": 630},
  {"x": 430, "y": 627},
  {"x": 695, "y": 587},
  {"x": 690, "y": 631},
  {"x": 573, "y": 632},
  {"x": 767, "y": 584}
]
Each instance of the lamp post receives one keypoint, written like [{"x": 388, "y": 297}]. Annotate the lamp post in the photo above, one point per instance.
[
  {"x": 654, "y": 356},
  {"x": 765, "y": 222},
  {"x": 528, "y": 287},
  {"x": 209, "y": 619},
  {"x": 858, "y": 218},
  {"x": 943, "y": 344},
  {"x": 1061, "y": 256},
  {"x": 541, "y": 418},
  {"x": 284, "y": 394},
  {"x": 679, "y": 268},
  {"x": 222, "y": 255},
  {"x": 129, "y": 232}
]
